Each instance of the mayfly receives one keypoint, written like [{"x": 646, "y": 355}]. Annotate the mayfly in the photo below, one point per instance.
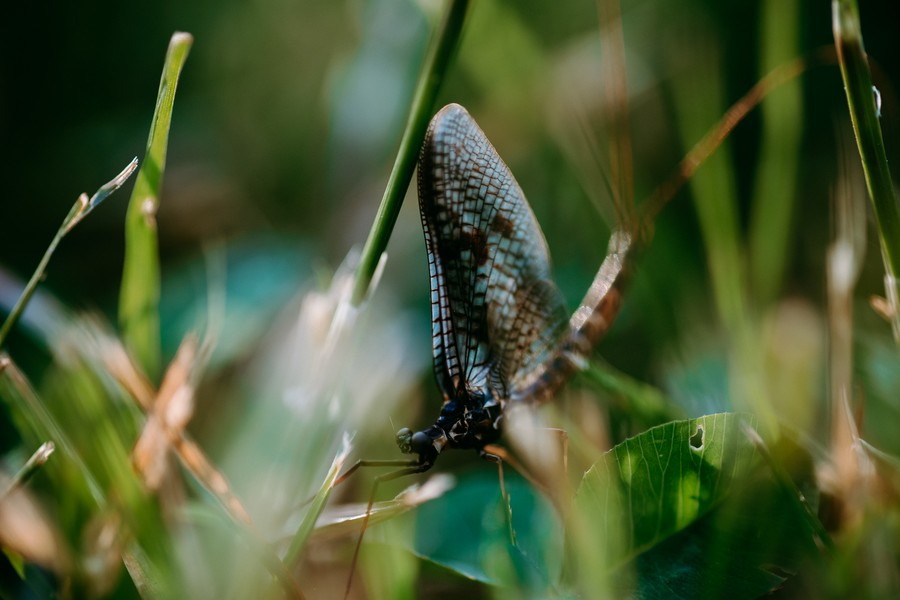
[{"x": 501, "y": 333}]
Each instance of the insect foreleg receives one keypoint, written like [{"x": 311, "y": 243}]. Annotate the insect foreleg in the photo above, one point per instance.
[{"x": 413, "y": 467}]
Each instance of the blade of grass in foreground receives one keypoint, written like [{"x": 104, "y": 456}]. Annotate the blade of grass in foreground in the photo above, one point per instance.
[
  {"x": 430, "y": 79},
  {"x": 864, "y": 115},
  {"x": 139, "y": 296},
  {"x": 318, "y": 504},
  {"x": 21, "y": 399},
  {"x": 83, "y": 205},
  {"x": 40, "y": 456}
]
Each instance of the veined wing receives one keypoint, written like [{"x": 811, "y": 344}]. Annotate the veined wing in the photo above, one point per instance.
[
  {"x": 495, "y": 309},
  {"x": 589, "y": 323}
]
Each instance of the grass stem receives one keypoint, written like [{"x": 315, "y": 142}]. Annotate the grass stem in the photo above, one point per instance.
[
  {"x": 83, "y": 205},
  {"x": 864, "y": 114},
  {"x": 441, "y": 51}
]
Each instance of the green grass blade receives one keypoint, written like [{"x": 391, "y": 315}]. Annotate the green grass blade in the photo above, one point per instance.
[
  {"x": 864, "y": 115},
  {"x": 139, "y": 296},
  {"x": 83, "y": 205},
  {"x": 713, "y": 188},
  {"x": 776, "y": 176},
  {"x": 436, "y": 63},
  {"x": 40, "y": 456},
  {"x": 24, "y": 403},
  {"x": 315, "y": 509}
]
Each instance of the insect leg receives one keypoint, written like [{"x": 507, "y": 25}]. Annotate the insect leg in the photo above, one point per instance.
[
  {"x": 498, "y": 458},
  {"x": 374, "y": 463},
  {"x": 551, "y": 482},
  {"x": 362, "y": 463},
  {"x": 514, "y": 462},
  {"x": 412, "y": 467}
]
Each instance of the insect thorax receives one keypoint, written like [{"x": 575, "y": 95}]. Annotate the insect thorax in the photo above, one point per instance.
[{"x": 469, "y": 423}]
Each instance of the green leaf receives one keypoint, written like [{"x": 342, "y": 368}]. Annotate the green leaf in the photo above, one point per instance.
[
  {"x": 32, "y": 582},
  {"x": 658, "y": 483},
  {"x": 683, "y": 566},
  {"x": 139, "y": 296},
  {"x": 466, "y": 531},
  {"x": 748, "y": 544}
]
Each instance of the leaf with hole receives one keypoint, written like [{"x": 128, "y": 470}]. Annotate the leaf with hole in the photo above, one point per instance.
[{"x": 657, "y": 483}]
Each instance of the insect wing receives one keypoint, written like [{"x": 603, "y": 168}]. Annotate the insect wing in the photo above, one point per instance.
[{"x": 495, "y": 309}]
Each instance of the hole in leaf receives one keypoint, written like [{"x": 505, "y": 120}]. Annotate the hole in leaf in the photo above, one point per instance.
[{"x": 696, "y": 440}]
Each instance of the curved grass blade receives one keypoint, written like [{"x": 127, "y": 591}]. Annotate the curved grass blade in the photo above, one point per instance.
[
  {"x": 83, "y": 205},
  {"x": 40, "y": 456},
  {"x": 139, "y": 297},
  {"x": 642, "y": 400},
  {"x": 861, "y": 100},
  {"x": 318, "y": 505}
]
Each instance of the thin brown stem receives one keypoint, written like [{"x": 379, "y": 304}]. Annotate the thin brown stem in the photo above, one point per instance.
[{"x": 708, "y": 144}]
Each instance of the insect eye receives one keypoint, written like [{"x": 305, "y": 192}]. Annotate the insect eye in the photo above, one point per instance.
[{"x": 404, "y": 438}]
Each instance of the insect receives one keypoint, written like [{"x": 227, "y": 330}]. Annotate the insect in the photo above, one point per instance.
[
  {"x": 500, "y": 329},
  {"x": 501, "y": 332}
]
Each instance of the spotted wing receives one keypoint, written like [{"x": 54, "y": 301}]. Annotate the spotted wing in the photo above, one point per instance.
[{"x": 495, "y": 309}]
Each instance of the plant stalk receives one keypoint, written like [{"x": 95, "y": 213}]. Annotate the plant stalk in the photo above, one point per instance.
[{"x": 436, "y": 63}]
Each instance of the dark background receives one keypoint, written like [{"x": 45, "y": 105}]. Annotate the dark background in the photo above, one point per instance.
[{"x": 288, "y": 115}]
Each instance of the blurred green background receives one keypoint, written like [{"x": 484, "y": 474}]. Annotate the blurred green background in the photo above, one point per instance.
[
  {"x": 288, "y": 117},
  {"x": 289, "y": 113}
]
